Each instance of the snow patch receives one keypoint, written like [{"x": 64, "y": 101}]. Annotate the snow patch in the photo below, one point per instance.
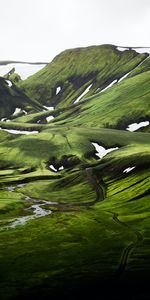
[
  {"x": 9, "y": 83},
  {"x": 135, "y": 126},
  {"x": 48, "y": 107},
  {"x": 58, "y": 89},
  {"x": 53, "y": 168},
  {"x": 17, "y": 110},
  {"x": 84, "y": 93},
  {"x": 142, "y": 50},
  {"x": 128, "y": 169},
  {"x": 124, "y": 76},
  {"x": 49, "y": 118},
  {"x": 108, "y": 86},
  {"x": 122, "y": 48},
  {"x": 61, "y": 168},
  {"x": 56, "y": 170},
  {"x": 24, "y": 112},
  {"x": 19, "y": 131},
  {"x": 4, "y": 120},
  {"x": 101, "y": 151}
]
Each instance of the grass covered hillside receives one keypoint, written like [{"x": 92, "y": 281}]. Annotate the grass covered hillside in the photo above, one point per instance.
[
  {"x": 75, "y": 178},
  {"x": 11, "y": 97},
  {"x": 74, "y": 70}
]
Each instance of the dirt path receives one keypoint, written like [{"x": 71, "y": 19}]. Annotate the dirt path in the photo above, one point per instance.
[{"x": 127, "y": 251}]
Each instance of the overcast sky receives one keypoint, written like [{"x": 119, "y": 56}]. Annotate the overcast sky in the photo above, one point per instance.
[{"x": 37, "y": 30}]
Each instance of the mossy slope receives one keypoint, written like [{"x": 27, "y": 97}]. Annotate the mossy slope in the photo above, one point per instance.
[{"x": 97, "y": 234}]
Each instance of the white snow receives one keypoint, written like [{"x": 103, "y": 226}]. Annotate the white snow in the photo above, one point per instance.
[
  {"x": 17, "y": 110},
  {"x": 49, "y": 118},
  {"x": 142, "y": 50},
  {"x": 128, "y": 169},
  {"x": 108, "y": 86},
  {"x": 24, "y": 112},
  {"x": 53, "y": 168},
  {"x": 124, "y": 76},
  {"x": 84, "y": 93},
  {"x": 9, "y": 83},
  {"x": 134, "y": 126},
  {"x": 122, "y": 48},
  {"x": 102, "y": 151},
  {"x": 58, "y": 89},
  {"x": 61, "y": 168},
  {"x": 19, "y": 131},
  {"x": 4, "y": 119},
  {"x": 24, "y": 70},
  {"x": 49, "y": 107}
]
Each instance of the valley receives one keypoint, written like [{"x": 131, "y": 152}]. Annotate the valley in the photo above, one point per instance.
[{"x": 75, "y": 175}]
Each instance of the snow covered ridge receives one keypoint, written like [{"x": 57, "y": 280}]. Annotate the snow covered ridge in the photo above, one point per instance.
[
  {"x": 84, "y": 93},
  {"x": 101, "y": 151},
  {"x": 137, "y": 49},
  {"x": 142, "y": 50},
  {"x": 23, "y": 69},
  {"x": 135, "y": 126}
]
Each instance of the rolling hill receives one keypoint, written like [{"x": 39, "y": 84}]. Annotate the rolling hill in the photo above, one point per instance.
[{"x": 74, "y": 177}]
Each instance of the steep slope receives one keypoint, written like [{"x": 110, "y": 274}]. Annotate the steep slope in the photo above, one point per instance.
[
  {"x": 62, "y": 81},
  {"x": 124, "y": 103},
  {"x": 11, "y": 97}
]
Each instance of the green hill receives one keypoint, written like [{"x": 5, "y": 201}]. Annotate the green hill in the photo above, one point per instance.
[
  {"x": 74, "y": 181},
  {"x": 73, "y": 70}
]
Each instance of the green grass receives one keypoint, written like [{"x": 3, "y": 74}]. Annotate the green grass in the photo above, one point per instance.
[
  {"x": 98, "y": 231},
  {"x": 75, "y": 69}
]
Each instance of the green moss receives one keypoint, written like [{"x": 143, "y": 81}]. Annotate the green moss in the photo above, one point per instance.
[{"x": 98, "y": 229}]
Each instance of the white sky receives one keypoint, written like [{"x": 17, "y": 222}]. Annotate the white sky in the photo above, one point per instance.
[{"x": 37, "y": 30}]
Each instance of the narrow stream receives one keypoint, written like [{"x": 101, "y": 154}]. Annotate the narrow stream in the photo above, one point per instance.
[
  {"x": 38, "y": 212},
  {"x": 36, "y": 209}
]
